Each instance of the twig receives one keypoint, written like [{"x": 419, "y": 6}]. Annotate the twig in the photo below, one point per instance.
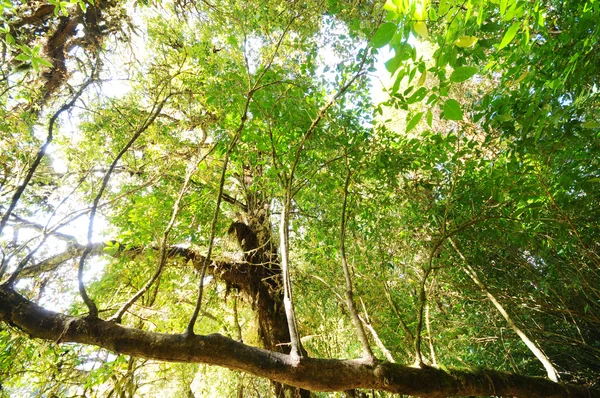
[
  {"x": 153, "y": 115},
  {"x": 42, "y": 152},
  {"x": 163, "y": 244}
]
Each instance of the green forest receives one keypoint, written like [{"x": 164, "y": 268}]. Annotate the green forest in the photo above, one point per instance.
[{"x": 321, "y": 198}]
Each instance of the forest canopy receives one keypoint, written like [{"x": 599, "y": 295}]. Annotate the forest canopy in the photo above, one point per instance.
[{"x": 300, "y": 199}]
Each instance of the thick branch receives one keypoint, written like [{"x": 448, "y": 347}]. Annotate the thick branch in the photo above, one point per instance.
[
  {"x": 309, "y": 373},
  {"x": 235, "y": 273}
]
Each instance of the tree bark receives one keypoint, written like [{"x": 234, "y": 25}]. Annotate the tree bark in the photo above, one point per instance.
[
  {"x": 307, "y": 373},
  {"x": 260, "y": 278}
]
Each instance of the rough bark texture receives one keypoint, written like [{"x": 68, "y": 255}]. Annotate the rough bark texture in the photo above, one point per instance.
[
  {"x": 60, "y": 34},
  {"x": 307, "y": 373},
  {"x": 260, "y": 278}
]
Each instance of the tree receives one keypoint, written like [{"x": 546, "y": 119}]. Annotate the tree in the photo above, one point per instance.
[{"x": 205, "y": 183}]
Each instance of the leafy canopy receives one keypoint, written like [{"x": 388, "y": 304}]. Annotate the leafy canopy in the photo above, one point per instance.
[{"x": 151, "y": 150}]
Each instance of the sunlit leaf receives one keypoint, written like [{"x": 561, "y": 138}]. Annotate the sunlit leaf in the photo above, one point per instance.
[
  {"x": 509, "y": 35},
  {"x": 503, "y": 4},
  {"x": 393, "y": 64},
  {"x": 423, "y": 78},
  {"x": 480, "y": 13},
  {"x": 23, "y": 57},
  {"x": 466, "y": 41},
  {"x": 417, "y": 95},
  {"x": 452, "y": 110},
  {"x": 43, "y": 62},
  {"x": 421, "y": 29},
  {"x": 432, "y": 14},
  {"x": 414, "y": 121},
  {"x": 463, "y": 73},
  {"x": 384, "y": 34}
]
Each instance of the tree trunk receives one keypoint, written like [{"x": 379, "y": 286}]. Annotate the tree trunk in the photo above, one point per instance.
[{"x": 265, "y": 289}]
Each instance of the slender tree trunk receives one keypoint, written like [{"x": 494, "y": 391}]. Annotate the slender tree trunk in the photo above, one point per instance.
[
  {"x": 422, "y": 302},
  {"x": 288, "y": 303},
  {"x": 367, "y": 352},
  {"x": 550, "y": 370},
  {"x": 429, "y": 336}
]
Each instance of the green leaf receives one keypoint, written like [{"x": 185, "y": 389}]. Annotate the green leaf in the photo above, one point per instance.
[
  {"x": 511, "y": 13},
  {"x": 26, "y": 50},
  {"x": 423, "y": 78},
  {"x": 503, "y": 4},
  {"x": 414, "y": 121},
  {"x": 421, "y": 29},
  {"x": 463, "y": 73},
  {"x": 393, "y": 64},
  {"x": 540, "y": 18},
  {"x": 480, "y": 13},
  {"x": 417, "y": 95},
  {"x": 452, "y": 110},
  {"x": 111, "y": 248},
  {"x": 509, "y": 35},
  {"x": 384, "y": 34},
  {"x": 43, "y": 62},
  {"x": 591, "y": 124},
  {"x": 404, "y": 52},
  {"x": 432, "y": 14},
  {"x": 466, "y": 41},
  {"x": 10, "y": 40},
  {"x": 23, "y": 57}
]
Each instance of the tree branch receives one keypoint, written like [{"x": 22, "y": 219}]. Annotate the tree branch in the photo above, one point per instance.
[
  {"x": 42, "y": 152},
  {"x": 533, "y": 347},
  {"x": 308, "y": 373},
  {"x": 163, "y": 243},
  {"x": 156, "y": 110}
]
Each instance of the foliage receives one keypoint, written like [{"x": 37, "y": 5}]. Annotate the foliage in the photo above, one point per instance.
[{"x": 482, "y": 160}]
